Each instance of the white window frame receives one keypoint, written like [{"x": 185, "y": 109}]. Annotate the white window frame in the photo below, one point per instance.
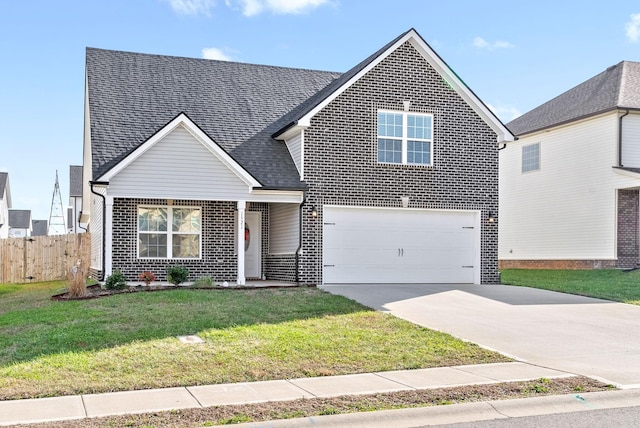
[
  {"x": 527, "y": 159},
  {"x": 405, "y": 139},
  {"x": 169, "y": 232}
]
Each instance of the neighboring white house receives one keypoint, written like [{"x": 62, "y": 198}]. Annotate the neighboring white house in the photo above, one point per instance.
[
  {"x": 19, "y": 223},
  {"x": 5, "y": 204},
  {"x": 569, "y": 185}
]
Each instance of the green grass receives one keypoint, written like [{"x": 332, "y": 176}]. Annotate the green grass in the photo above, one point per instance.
[
  {"x": 128, "y": 341},
  {"x": 609, "y": 284}
]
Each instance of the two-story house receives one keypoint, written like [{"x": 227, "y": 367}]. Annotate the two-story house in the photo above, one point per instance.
[
  {"x": 385, "y": 173},
  {"x": 569, "y": 184}
]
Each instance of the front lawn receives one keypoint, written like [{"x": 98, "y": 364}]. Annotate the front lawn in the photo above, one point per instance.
[
  {"x": 128, "y": 341},
  {"x": 609, "y": 284}
]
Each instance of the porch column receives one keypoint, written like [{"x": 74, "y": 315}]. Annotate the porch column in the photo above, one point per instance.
[{"x": 240, "y": 241}]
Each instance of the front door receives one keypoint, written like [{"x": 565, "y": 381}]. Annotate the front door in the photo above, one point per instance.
[{"x": 253, "y": 245}]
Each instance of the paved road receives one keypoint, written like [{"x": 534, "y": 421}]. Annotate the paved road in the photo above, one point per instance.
[
  {"x": 628, "y": 417},
  {"x": 591, "y": 337}
]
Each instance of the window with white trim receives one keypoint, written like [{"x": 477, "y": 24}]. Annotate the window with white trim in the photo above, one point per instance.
[
  {"x": 405, "y": 138},
  {"x": 531, "y": 157},
  {"x": 166, "y": 232}
]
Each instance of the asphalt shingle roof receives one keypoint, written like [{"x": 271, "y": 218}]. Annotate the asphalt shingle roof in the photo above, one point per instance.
[
  {"x": 616, "y": 87},
  {"x": 20, "y": 219},
  {"x": 133, "y": 95},
  {"x": 39, "y": 227},
  {"x": 75, "y": 181}
]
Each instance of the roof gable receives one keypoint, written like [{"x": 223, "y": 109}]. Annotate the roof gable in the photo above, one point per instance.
[
  {"x": 616, "y": 87},
  {"x": 130, "y": 96},
  {"x": 183, "y": 120},
  {"x": 302, "y": 115}
]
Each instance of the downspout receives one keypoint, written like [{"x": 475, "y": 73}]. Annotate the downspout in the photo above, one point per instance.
[
  {"x": 104, "y": 223},
  {"x": 80, "y": 224},
  {"x": 620, "y": 138},
  {"x": 304, "y": 200}
]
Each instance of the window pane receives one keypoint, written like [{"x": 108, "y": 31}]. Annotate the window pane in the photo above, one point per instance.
[
  {"x": 419, "y": 126},
  {"x": 152, "y": 245},
  {"x": 186, "y": 220},
  {"x": 389, "y": 151},
  {"x": 419, "y": 152},
  {"x": 152, "y": 219},
  {"x": 531, "y": 157},
  {"x": 389, "y": 124},
  {"x": 186, "y": 246}
]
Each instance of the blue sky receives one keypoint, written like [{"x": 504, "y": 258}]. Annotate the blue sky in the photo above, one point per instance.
[{"x": 513, "y": 55}]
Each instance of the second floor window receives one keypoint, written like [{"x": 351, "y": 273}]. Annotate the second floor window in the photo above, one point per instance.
[{"x": 405, "y": 138}]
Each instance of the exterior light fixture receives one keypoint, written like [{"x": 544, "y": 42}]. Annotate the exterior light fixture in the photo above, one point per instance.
[
  {"x": 491, "y": 218},
  {"x": 314, "y": 212}
]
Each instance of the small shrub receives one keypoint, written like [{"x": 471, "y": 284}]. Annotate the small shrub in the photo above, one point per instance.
[
  {"x": 147, "y": 277},
  {"x": 115, "y": 281},
  {"x": 204, "y": 282},
  {"x": 177, "y": 274}
]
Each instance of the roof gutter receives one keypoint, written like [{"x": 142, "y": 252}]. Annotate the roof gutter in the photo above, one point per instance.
[
  {"x": 620, "y": 138},
  {"x": 104, "y": 222}
]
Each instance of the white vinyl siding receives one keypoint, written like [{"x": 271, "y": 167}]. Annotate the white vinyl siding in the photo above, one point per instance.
[
  {"x": 178, "y": 167},
  {"x": 284, "y": 228},
  {"x": 295, "y": 146},
  {"x": 568, "y": 209},
  {"x": 631, "y": 141}
]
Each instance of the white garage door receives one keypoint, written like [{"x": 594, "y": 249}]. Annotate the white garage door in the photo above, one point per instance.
[{"x": 392, "y": 245}]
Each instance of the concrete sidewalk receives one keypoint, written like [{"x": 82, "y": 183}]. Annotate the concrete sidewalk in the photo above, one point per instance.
[{"x": 156, "y": 400}]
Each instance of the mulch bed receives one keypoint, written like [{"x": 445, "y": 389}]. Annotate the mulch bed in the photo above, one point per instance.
[{"x": 96, "y": 291}]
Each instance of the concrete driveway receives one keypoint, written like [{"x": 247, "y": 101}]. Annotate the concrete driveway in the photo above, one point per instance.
[{"x": 580, "y": 335}]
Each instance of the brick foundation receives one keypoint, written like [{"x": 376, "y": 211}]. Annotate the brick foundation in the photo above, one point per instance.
[{"x": 557, "y": 264}]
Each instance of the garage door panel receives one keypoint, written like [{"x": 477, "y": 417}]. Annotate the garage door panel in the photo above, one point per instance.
[{"x": 375, "y": 245}]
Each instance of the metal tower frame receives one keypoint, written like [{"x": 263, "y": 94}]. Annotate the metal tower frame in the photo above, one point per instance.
[{"x": 57, "y": 224}]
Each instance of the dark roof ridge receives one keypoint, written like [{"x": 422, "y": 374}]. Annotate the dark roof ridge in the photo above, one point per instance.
[
  {"x": 312, "y": 102},
  {"x": 618, "y": 86}
]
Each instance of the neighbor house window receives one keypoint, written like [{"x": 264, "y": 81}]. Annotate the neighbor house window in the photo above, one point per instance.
[
  {"x": 169, "y": 232},
  {"x": 405, "y": 138},
  {"x": 531, "y": 157}
]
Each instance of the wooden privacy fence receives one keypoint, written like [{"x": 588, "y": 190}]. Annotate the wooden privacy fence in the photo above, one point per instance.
[{"x": 42, "y": 258}]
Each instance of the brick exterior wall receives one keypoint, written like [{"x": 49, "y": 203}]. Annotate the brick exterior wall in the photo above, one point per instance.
[
  {"x": 218, "y": 246},
  {"x": 281, "y": 268},
  {"x": 628, "y": 228},
  {"x": 341, "y": 165},
  {"x": 218, "y": 241}
]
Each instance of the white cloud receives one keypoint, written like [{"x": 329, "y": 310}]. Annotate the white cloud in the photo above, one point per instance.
[
  {"x": 632, "y": 28},
  {"x": 481, "y": 43},
  {"x": 504, "y": 112},
  {"x": 216, "y": 53},
  {"x": 278, "y": 7},
  {"x": 191, "y": 7}
]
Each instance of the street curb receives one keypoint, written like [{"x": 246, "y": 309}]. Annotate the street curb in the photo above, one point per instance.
[{"x": 467, "y": 412}]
